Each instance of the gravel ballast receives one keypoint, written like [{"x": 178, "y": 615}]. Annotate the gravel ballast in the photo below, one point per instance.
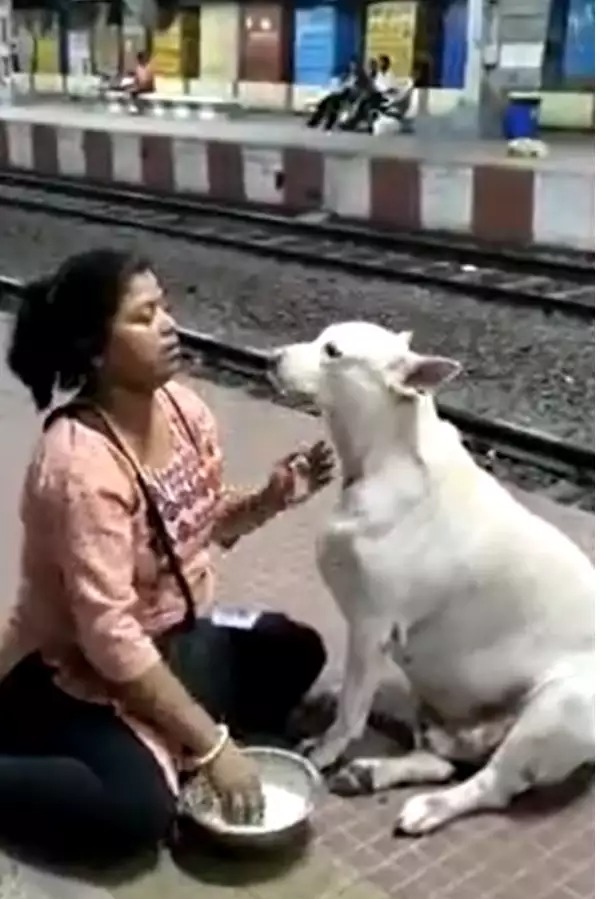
[{"x": 530, "y": 368}]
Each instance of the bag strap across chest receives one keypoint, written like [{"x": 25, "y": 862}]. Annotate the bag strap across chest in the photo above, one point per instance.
[{"x": 92, "y": 416}]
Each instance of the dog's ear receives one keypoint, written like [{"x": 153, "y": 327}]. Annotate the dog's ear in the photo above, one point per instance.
[
  {"x": 414, "y": 373},
  {"x": 430, "y": 372},
  {"x": 405, "y": 337}
]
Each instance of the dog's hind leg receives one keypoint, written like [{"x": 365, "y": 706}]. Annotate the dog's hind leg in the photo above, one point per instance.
[
  {"x": 370, "y": 775},
  {"x": 552, "y": 738}
]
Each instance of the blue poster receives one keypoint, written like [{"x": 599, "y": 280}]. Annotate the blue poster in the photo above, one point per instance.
[{"x": 314, "y": 44}]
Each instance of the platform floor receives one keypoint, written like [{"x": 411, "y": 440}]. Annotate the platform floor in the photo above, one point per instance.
[
  {"x": 276, "y": 130},
  {"x": 543, "y": 850}
]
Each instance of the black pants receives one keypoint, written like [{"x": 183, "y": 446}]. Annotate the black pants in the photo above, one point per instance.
[
  {"x": 77, "y": 784},
  {"x": 368, "y": 103},
  {"x": 328, "y": 109}
]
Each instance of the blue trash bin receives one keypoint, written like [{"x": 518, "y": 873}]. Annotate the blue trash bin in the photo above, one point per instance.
[{"x": 522, "y": 116}]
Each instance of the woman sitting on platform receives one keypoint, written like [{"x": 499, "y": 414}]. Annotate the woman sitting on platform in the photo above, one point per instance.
[{"x": 114, "y": 673}]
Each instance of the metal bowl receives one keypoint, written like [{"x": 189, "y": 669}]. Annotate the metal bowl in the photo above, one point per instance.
[{"x": 291, "y": 785}]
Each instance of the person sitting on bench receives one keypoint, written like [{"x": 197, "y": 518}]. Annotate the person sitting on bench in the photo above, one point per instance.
[
  {"x": 381, "y": 84},
  {"x": 143, "y": 76},
  {"x": 349, "y": 89}
]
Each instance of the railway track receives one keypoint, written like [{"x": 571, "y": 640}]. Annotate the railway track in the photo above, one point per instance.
[
  {"x": 567, "y": 469},
  {"x": 548, "y": 280}
]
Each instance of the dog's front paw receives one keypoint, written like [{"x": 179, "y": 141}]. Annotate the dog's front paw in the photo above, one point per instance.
[
  {"x": 307, "y": 746},
  {"x": 324, "y": 753},
  {"x": 423, "y": 813},
  {"x": 354, "y": 779}
]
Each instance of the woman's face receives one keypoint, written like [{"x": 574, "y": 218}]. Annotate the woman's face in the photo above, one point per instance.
[{"x": 143, "y": 349}]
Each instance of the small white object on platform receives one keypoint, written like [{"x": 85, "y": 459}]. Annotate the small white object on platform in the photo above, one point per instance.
[{"x": 527, "y": 148}]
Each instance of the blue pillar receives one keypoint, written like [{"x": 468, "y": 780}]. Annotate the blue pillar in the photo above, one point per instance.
[{"x": 454, "y": 49}]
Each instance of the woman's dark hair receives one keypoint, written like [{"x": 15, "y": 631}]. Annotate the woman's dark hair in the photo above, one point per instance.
[{"x": 63, "y": 321}]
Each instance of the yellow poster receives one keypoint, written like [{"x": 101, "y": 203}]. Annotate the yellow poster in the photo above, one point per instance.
[
  {"x": 190, "y": 43},
  {"x": 391, "y": 30},
  {"x": 47, "y": 55},
  {"x": 219, "y": 41},
  {"x": 47, "y": 44},
  {"x": 166, "y": 50}
]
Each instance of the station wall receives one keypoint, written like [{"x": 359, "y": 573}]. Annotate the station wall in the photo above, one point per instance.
[{"x": 282, "y": 55}]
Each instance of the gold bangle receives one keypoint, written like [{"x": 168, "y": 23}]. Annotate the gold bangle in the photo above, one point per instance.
[{"x": 215, "y": 751}]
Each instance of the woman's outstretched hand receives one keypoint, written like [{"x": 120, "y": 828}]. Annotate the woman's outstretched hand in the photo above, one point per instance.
[
  {"x": 299, "y": 475},
  {"x": 293, "y": 480}
]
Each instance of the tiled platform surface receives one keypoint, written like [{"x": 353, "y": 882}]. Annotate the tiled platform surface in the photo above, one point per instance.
[
  {"x": 415, "y": 183},
  {"x": 542, "y": 850}
]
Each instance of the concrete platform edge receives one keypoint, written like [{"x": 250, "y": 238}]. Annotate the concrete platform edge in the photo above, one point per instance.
[{"x": 507, "y": 201}]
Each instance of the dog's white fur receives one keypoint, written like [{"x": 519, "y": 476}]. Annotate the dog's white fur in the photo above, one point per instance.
[{"x": 482, "y": 604}]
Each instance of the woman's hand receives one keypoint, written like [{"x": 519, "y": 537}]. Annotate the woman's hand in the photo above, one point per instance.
[
  {"x": 299, "y": 475},
  {"x": 293, "y": 480},
  {"x": 234, "y": 778}
]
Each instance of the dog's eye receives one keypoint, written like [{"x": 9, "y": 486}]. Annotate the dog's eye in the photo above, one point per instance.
[{"x": 331, "y": 350}]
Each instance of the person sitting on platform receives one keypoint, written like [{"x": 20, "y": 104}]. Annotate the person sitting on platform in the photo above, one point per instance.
[
  {"x": 143, "y": 76},
  {"x": 346, "y": 90},
  {"x": 382, "y": 84},
  {"x": 136, "y": 82},
  {"x": 385, "y": 81}
]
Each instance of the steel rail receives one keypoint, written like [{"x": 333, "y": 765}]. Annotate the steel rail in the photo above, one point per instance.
[{"x": 548, "y": 283}]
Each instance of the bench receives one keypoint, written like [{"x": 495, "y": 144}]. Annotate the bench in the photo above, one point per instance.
[
  {"x": 84, "y": 87},
  {"x": 183, "y": 106}
]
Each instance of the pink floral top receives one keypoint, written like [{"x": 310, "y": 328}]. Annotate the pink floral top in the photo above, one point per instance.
[{"x": 94, "y": 588}]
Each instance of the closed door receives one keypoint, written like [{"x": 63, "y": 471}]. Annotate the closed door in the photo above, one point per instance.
[{"x": 264, "y": 42}]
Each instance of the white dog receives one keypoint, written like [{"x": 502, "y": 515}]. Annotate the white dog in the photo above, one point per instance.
[{"x": 487, "y": 609}]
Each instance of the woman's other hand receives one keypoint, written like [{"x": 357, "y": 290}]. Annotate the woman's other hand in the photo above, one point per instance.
[{"x": 299, "y": 475}]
